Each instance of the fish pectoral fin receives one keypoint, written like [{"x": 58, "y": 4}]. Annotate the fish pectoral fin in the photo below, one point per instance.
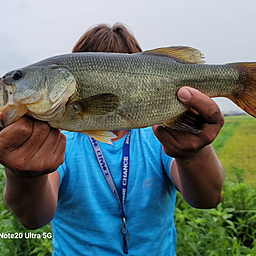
[
  {"x": 188, "y": 121},
  {"x": 103, "y": 136},
  {"x": 100, "y": 104},
  {"x": 182, "y": 54}
]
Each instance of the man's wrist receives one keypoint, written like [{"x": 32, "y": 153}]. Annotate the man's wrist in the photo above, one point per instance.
[
  {"x": 25, "y": 176},
  {"x": 194, "y": 156}
]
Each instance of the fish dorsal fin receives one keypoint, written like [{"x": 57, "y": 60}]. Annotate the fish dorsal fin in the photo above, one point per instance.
[
  {"x": 103, "y": 136},
  {"x": 182, "y": 54},
  {"x": 100, "y": 104},
  {"x": 188, "y": 121}
]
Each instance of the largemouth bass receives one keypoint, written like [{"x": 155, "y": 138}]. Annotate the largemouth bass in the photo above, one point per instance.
[{"x": 95, "y": 93}]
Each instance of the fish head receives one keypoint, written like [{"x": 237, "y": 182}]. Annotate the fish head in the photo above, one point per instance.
[
  {"x": 37, "y": 90},
  {"x": 19, "y": 87},
  {"x": 26, "y": 85}
]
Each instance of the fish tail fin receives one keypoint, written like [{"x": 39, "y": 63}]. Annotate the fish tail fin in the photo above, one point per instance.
[{"x": 245, "y": 94}]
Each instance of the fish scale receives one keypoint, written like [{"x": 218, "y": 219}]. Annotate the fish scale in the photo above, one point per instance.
[{"x": 97, "y": 92}]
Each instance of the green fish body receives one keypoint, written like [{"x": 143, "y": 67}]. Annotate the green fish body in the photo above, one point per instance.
[{"x": 97, "y": 92}]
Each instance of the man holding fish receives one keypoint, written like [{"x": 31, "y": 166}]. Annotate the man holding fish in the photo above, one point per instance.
[{"x": 107, "y": 199}]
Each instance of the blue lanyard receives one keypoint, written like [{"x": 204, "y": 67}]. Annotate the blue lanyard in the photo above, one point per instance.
[{"x": 124, "y": 181}]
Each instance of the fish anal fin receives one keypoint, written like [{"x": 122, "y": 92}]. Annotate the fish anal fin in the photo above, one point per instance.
[
  {"x": 188, "y": 121},
  {"x": 182, "y": 54},
  {"x": 101, "y": 104},
  {"x": 103, "y": 136}
]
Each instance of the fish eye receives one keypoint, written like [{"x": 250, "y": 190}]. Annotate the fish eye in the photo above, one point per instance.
[{"x": 17, "y": 74}]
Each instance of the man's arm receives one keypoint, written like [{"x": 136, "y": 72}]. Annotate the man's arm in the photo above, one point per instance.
[
  {"x": 196, "y": 172},
  {"x": 200, "y": 179},
  {"x": 31, "y": 151}
]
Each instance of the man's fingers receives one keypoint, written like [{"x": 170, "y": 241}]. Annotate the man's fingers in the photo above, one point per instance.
[
  {"x": 184, "y": 144},
  {"x": 14, "y": 135},
  {"x": 169, "y": 140},
  {"x": 200, "y": 102},
  {"x": 48, "y": 147},
  {"x": 39, "y": 134},
  {"x": 59, "y": 153}
]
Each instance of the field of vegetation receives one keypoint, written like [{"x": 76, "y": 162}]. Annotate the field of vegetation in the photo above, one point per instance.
[
  {"x": 229, "y": 229},
  {"x": 236, "y": 146}
]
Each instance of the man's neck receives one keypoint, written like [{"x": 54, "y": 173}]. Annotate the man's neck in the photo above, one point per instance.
[{"x": 119, "y": 134}]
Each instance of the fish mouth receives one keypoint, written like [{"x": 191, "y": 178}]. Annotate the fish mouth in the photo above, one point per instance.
[
  {"x": 4, "y": 102},
  {"x": 3, "y": 94},
  {"x": 10, "y": 111}
]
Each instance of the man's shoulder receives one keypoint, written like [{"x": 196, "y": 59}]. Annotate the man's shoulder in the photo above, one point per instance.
[
  {"x": 68, "y": 134},
  {"x": 147, "y": 134},
  {"x": 147, "y": 131},
  {"x": 74, "y": 140},
  {"x": 72, "y": 135}
]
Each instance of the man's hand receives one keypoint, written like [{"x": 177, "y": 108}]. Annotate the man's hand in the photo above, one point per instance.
[
  {"x": 30, "y": 147},
  {"x": 196, "y": 171},
  {"x": 186, "y": 145}
]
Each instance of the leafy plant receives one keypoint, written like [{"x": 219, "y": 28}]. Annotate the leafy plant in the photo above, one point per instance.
[
  {"x": 229, "y": 229},
  {"x": 15, "y": 240}
]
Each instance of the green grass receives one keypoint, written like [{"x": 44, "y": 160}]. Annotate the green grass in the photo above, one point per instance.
[
  {"x": 236, "y": 146},
  {"x": 227, "y": 230},
  {"x": 21, "y": 246},
  {"x": 230, "y": 229},
  {"x": 226, "y": 133}
]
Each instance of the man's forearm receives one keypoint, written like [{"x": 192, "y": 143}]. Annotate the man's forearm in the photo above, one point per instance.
[
  {"x": 32, "y": 200},
  {"x": 201, "y": 178}
]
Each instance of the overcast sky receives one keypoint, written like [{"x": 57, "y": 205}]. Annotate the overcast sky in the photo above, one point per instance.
[{"x": 224, "y": 30}]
